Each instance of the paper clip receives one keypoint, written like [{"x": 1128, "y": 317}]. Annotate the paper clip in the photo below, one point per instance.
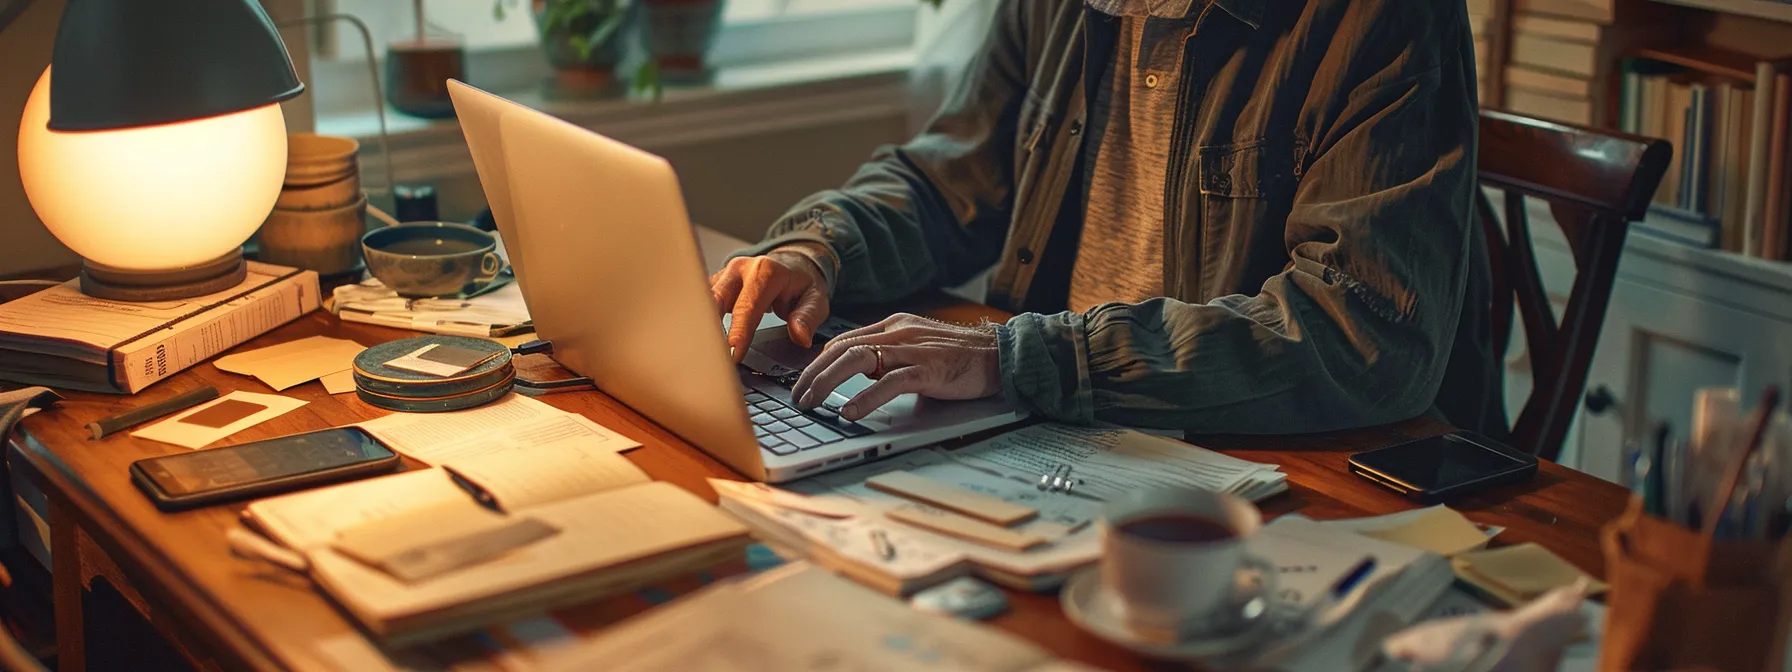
[{"x": 1058, "y": 480}]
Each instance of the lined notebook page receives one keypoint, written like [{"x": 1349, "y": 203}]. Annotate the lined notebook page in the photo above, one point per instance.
[
  {"x": 545, "y": 474},
  {"x": 596, "y": 531},
  {"x": 309, "y": 519}
]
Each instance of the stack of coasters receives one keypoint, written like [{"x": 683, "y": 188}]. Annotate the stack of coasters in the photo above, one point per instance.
[{"x": 432, "y": 374}]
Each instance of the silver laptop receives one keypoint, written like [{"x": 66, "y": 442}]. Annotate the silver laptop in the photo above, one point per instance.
[{"x": 610, "y": 269}]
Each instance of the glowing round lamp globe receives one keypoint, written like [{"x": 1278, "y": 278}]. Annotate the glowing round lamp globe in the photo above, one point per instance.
[{"x": 158, "y": 197}]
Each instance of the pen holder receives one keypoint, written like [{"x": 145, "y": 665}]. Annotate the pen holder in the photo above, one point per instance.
[{"x": 1679, "y": 600}]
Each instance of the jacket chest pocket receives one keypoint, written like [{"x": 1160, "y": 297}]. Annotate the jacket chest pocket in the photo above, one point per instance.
[
  {"x": 1256, "y": 169},
  {"x": 1246, "y": 192}
]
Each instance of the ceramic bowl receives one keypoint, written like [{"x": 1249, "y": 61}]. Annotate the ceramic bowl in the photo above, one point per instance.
[
  {"x": 313, "y": 160},
  {"x": 320, "y": 240},
  {"x": 328, "y": 196},
  {"x": 432, "y": 259}
]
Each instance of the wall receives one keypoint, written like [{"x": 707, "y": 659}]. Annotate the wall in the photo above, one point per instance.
[{"x": 25, "y": 50}]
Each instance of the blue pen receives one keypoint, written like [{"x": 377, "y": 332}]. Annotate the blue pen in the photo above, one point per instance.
[{"x": 1324, "y": 613}]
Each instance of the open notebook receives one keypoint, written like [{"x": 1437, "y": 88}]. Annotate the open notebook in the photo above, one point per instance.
[{"x": 613, "y": 530}]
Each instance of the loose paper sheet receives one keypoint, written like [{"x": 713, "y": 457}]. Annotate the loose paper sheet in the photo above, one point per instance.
[
  {"x": 294, "y": 362},
  {"x": 188, "y": 435},
  {"x": 1438, "y": 529},
  {"x": 339, "y": 382},
  {"x": 511, "y": 423},
  {"x": 559, "y": 430}
]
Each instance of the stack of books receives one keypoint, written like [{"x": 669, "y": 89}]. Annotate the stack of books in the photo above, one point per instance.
[
  {"x": 65, "y": 339},
  {"x": 1726, "y": 113},
  {"x": 1481, "y": 19},
  {"x": 1558, "y": 51}
]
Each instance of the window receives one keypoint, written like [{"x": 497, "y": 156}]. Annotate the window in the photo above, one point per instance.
[{"x": 502, "y": 52}]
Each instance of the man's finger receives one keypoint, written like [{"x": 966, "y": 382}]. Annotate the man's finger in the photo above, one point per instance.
[
  {"x": 893, "y": 384},
  {"x": 835, "y": 349},
  {"x": 854, "y": 360},
  {"x": 756, "y": 295},
  {"x": 725, "y": 286},
  {"x": 810, "y": 310}
]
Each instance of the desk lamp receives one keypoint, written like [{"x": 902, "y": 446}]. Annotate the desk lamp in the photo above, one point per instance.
[{"x": 154, "y": 145}]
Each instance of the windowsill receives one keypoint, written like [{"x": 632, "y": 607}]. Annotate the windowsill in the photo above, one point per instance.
[{"x": 815, "y": 75}]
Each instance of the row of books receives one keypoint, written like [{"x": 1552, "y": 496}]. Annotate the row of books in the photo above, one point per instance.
[{"x": 1728, "y": 185}]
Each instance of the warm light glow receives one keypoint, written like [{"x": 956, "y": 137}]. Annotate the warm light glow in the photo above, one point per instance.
[{"x": 156, "y": 197}]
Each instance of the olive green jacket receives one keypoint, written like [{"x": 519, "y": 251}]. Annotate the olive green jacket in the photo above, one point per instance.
[{"x": 1321, "y": 267}]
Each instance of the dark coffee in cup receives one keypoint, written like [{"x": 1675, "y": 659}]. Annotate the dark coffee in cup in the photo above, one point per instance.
[{"x": 1177, "y": 528}]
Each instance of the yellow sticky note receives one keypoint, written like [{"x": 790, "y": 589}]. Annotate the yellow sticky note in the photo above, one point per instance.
[
  {"x": 1519, "y": 573},
  {"x": 1440, "y": 530}
]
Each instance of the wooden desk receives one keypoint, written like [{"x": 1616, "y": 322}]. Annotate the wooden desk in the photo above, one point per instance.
[{"x": 240, "y": 613}]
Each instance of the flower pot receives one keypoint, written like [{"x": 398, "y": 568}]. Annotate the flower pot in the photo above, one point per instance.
[
  {"x": 589, "y": 72},
  {"x": 679, "y": 35},
  {"x": 417, "y": 74}
]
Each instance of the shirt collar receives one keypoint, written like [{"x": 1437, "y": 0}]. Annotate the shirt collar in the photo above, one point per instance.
[{"x": 1248, "y": 11}]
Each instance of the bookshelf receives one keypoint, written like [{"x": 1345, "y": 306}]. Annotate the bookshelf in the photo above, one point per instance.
[
  {"x": 1761, "y": 9},
  {"x": 1683, "y": 314}
]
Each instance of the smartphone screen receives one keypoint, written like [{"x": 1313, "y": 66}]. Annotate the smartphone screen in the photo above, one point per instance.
[
  {"x": 1440, "y": 463},
  {"x": 221, "y": 468}
]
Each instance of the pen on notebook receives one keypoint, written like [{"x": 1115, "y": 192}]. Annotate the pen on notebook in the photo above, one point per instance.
[{"x": 1325, "y": 612}]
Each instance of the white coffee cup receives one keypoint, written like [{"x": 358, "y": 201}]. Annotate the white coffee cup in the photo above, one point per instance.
[{"x": 1171, "y": 556}]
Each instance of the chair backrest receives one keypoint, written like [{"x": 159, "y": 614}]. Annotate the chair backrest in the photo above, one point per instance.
[{"x": 1596, "y": 183}]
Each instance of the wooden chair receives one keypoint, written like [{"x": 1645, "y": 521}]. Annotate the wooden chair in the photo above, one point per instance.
[{"x": 1596, "y": 183}]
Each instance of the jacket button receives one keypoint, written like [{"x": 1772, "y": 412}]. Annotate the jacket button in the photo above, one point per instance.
[
  {"x": 1024, "y": 255},
  {"x": 1076, "y": 128}
]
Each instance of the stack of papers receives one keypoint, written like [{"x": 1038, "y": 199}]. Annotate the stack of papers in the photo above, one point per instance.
[
  {"x": 499, "y": 312},
  {"x": 1111, "y": 461},
  {"x": 832, "y": 518}
]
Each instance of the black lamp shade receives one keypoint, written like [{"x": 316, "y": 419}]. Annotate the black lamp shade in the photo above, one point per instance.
[{"x": 125, "y": 63}]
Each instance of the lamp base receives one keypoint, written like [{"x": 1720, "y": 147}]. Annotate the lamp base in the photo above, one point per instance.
[{"x": 119, "y": 284}]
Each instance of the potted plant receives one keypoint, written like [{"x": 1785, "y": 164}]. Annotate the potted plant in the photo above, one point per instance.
[
  {"x": 584, "y": 41},
  {"x": 678, "y": 36},
  {"x": 418, "y": 70}
]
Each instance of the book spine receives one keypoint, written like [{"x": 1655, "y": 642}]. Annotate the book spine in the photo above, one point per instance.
[
  {"x": 1773, "y": 213},
  {"x": 193, "y": 341},
  {"x": 1631, "y": 93},
  {"x": 1717, "y": 136},
  {"x": 1757, "y": 160},
  {"x": 1692, "y": 190}
]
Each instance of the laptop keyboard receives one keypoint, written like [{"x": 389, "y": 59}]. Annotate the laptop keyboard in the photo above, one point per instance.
[{"x": 783, "y": 430}]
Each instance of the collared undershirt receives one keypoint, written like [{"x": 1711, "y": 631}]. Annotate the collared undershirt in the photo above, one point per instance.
[{"x": 1121, "y": 254}]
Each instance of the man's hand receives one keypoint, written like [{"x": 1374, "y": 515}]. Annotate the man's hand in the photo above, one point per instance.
[
  {"x": 918, "y": 355},
  {"x": 786, "y": 283}
]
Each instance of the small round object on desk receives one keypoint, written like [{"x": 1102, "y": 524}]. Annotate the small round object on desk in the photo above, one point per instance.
[{"x": 413, "y": 392}]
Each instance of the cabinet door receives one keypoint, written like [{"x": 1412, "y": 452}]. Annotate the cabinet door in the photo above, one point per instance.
[{"x": 1657, "y": 348}]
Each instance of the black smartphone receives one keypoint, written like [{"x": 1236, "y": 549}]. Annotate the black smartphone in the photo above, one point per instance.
[
  {"x": 268, "y": 467},
  {"x": 1442, "y": 467}
]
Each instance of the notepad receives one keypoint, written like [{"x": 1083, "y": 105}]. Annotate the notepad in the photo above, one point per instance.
[
  {"x": 608, "y": 541},
  {"x": 1519, "y": 574}
]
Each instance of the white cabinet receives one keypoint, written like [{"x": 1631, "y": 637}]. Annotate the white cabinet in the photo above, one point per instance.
[{"x": 1680, "y": 319}]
